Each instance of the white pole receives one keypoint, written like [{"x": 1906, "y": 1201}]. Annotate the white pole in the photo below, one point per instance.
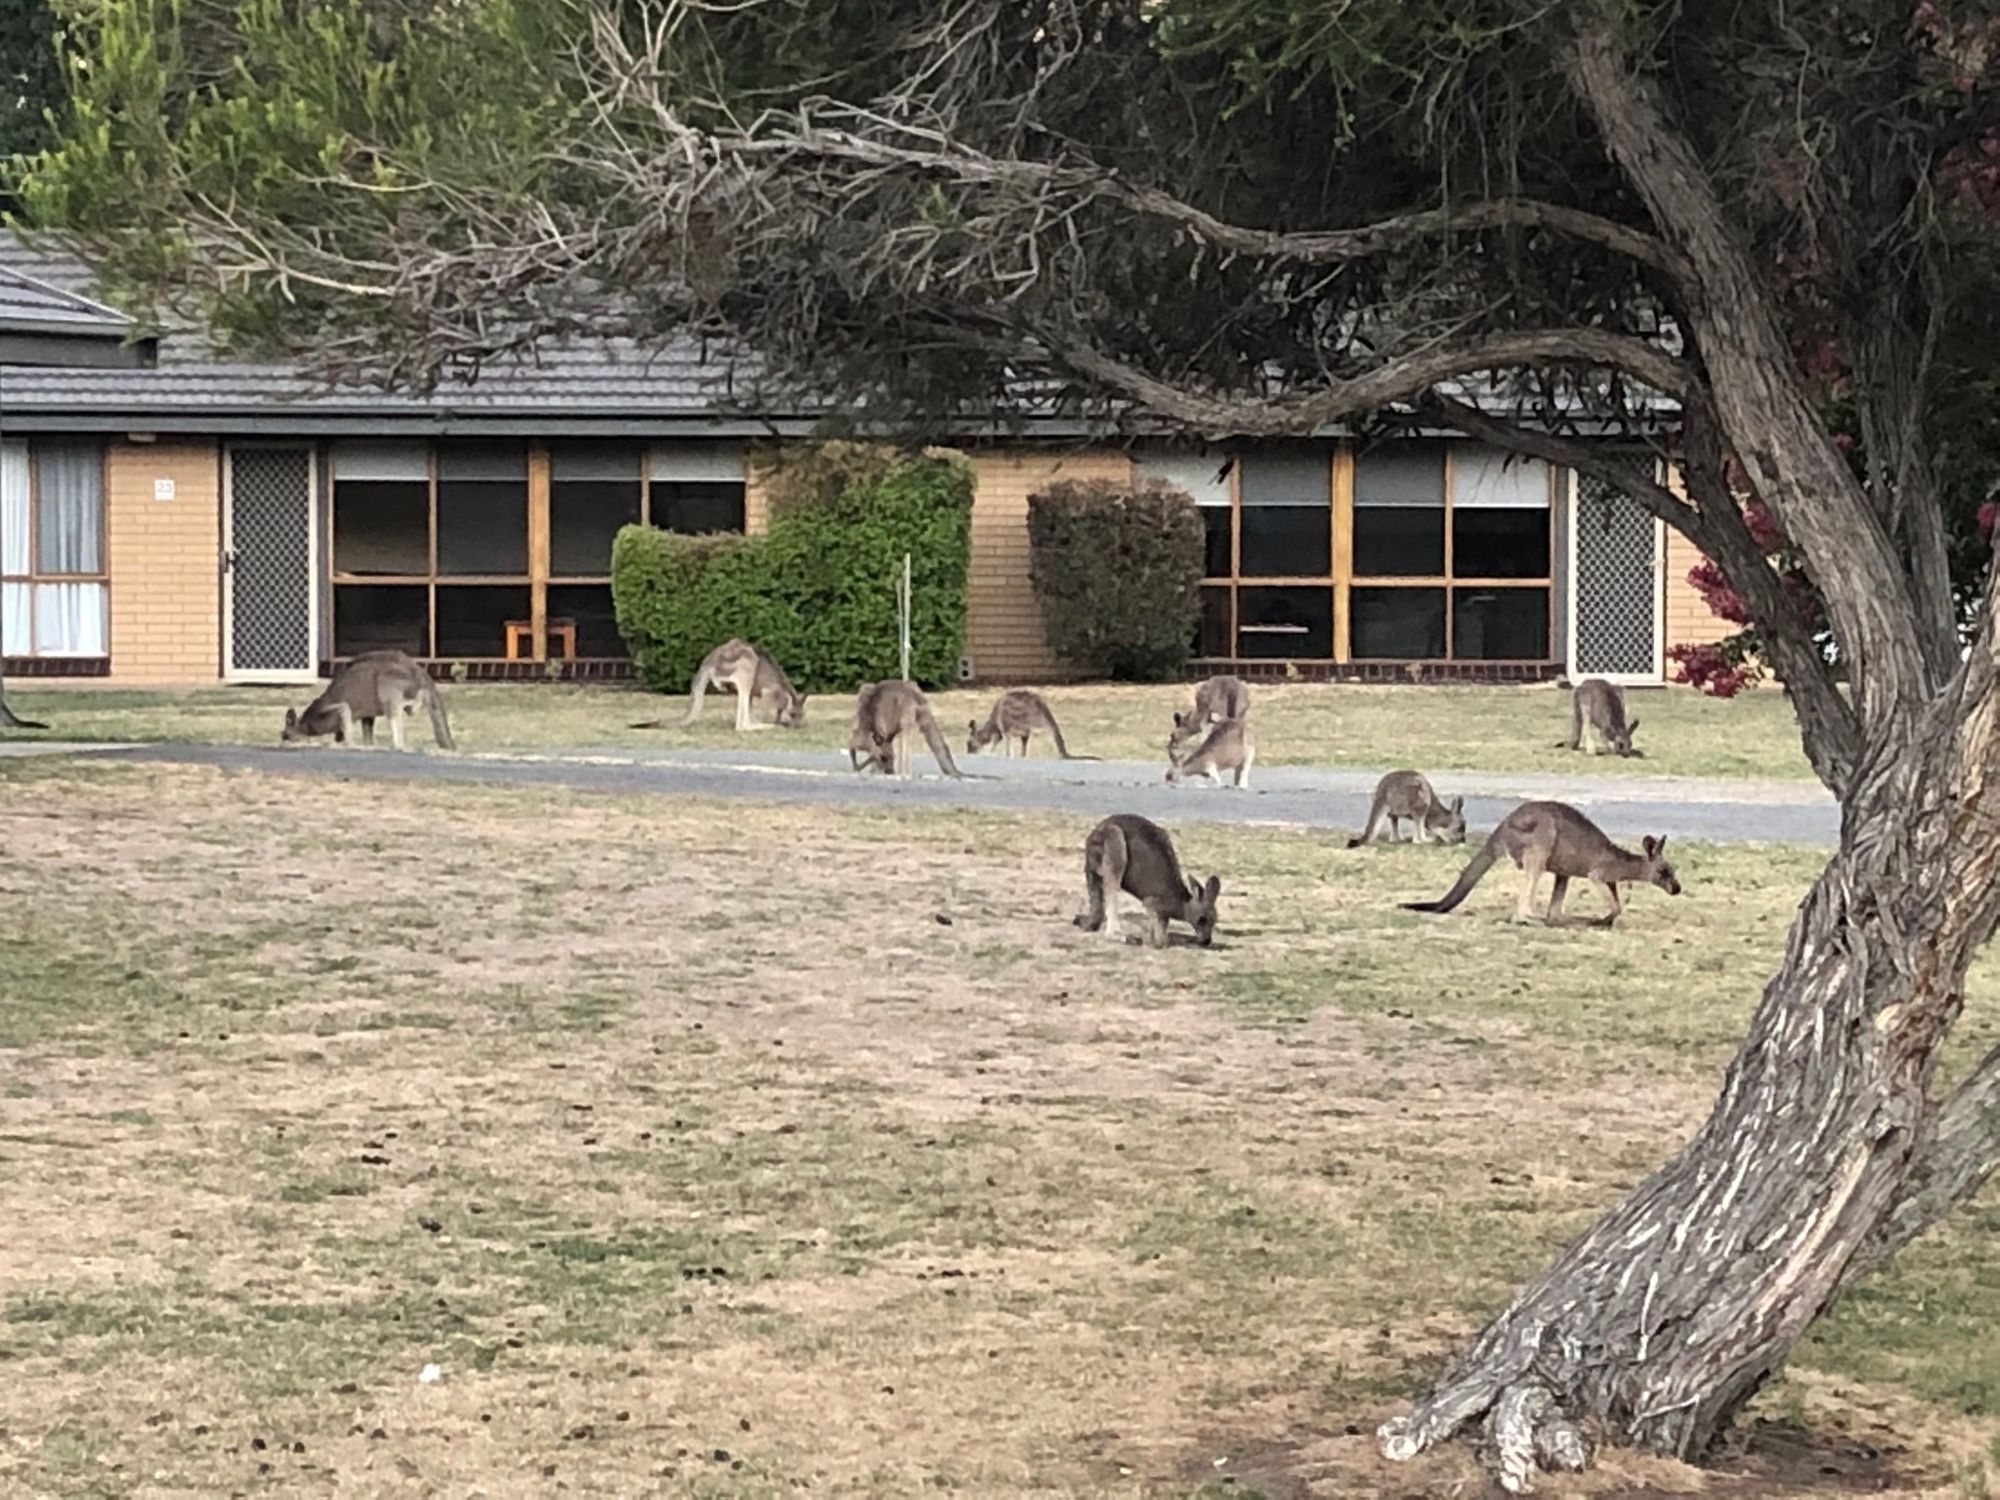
[{"x": 903, "y": 614}]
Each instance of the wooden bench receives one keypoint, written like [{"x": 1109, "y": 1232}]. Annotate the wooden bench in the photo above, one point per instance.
[{"x": 521, "y": 638}]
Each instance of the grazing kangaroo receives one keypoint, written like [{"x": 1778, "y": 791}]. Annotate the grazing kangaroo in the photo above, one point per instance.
[
  {"x": 374, "y": 685},
  {"x": 887, "y": 715},
  {"x": 1132, "y": 854},
  {"x": 1221, "y": 698},
  {"x": 1227, "y": 746},
  {"x": 1406, "y": 794},
  {"x": 1597, "y": 709},
  {"x": 1555, "y": 837},
  {"x": 755, "y": 677},
  {"x": 1017, "y": 715}
]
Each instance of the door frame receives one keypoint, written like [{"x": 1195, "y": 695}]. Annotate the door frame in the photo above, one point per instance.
[
  {"x": 1658, "y": 674},
  {"x": 226, "y": 564}
]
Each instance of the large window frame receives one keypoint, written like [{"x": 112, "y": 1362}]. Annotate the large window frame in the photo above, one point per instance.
[
  {"x": 714, "y": 464},
  {"x": 30, "y": 580},
  {"x": 1223, "y": 594}
]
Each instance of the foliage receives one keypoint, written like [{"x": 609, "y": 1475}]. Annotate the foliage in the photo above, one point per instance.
[
  {"x": 794, "y": 476},
  {"x": 1117, "y": 569},
  {"x": 817, "y": 590},
  {"x": 31, "y": 84}
]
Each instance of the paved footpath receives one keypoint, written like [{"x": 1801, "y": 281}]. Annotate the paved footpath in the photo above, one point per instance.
[{"x": 1740, "y": 810}]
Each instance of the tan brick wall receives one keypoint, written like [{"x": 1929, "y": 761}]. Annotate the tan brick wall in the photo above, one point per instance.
[
  {"x": 1689, "y": 621},
  {"x": 1003, "y": 625},
  {"x": 756, "y": 497},
  {"x": 166, "y": 598}
]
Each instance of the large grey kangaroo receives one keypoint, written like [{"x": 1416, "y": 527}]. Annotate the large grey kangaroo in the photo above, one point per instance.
[
  {"x": 1226, "y": 746},
  {"x": 1018, "y": 714},
  {"x": 1133, "y": 854},
  {"x": 755, "y": 677},
  {"x": 1597, "y": 710},
  {"x": 1555, "y": 837},
  {"x": 1406, "y": 794},
  {"x": 374, "y": 685},
  {"x": 887, "y": 718}
]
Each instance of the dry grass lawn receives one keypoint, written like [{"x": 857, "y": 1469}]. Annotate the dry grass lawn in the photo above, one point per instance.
[
  {"x": 1434, "y": 728},
  {"x": 752, "y": 1150}
]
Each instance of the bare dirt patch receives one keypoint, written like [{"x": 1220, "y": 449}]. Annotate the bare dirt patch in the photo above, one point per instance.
[{"x": 738, "y": 1149}]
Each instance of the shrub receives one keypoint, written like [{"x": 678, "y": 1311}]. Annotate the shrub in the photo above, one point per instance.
[
  {"x": 1117, "y": 569},
  {"x": 818, "y": 589}
]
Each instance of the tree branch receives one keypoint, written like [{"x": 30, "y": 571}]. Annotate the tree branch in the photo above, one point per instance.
[
  {"x": 1959, "y": 1154},
  {"x": 1399, "y": 379}
]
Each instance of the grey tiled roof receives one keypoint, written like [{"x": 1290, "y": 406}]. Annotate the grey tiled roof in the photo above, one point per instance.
[
  {"x": 612, "y": 384},
  {"x": 32, "y": 305}
]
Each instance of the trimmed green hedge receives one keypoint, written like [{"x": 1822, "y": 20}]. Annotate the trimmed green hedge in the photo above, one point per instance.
[
  {"x": 1117, "y": 569},
  {"x": 817, "y": 590}
]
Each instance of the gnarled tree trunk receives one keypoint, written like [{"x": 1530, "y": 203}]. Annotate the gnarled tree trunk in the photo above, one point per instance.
[{"x": 1825, "y": 1151}]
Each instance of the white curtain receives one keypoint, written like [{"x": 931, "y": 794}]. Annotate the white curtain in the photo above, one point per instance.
[
  {"x": 14, "y": 513},
  {"x": 69, "y": 619},
  {"x": 16, "y": 620},
  {"x": 69, "y": 508}
]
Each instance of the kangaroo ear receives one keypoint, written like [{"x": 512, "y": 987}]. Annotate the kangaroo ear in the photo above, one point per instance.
[
  {"x": 291, "y": 718},
  {"x": 1632, "y": 727},
  {"x": 1651, "y": 845},
  {"x": 1212, "y": 889},
  {"x": 1179, "y": 719},
  {"x": 972, "y": 726},
  {"x": 1458, "y": 805}
]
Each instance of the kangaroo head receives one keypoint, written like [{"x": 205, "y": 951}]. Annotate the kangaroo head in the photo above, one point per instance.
[
  {"x": 1188, "y": 729},
  {"x": 1452, "y": 823},
  {"x": 293, "y": 730},
  {"x": 793, "y": 714},
  {"x": 1658, "y": 871},
  {"x": 1621, "y": 738},
  {"x": 1199, "y": 912}
]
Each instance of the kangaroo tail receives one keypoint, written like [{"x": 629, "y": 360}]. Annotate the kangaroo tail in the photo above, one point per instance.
[
  {"x": 1062, "y": 749},
  {"x": 703, "y": 675},
  {"x": 1374, "y": 817},
  {"x": 1481, "y": 863},
  {"x": 927, "y": 721},
  {"x": 440, "y": 725}
]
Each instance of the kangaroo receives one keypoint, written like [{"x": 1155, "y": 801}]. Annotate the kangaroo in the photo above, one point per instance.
[
  {"x": 755, "y": 677},
  {"x": 1017, "y": 715},
  {"x": 374, "y": 685},
  {"x": 886, "y": 717},
  {"x": 1222, "y": 698},
  {"x": 1597, "y": 709},
  {"x": 1555, "y": 837},
  {"x": 1226, "y": 746},
  {"x": 1406, "y": 794},
  {"x": 1132, "y": 854}
]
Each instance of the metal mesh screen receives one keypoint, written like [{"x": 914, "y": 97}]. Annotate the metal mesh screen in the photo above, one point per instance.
[
  {"x": 1616, "y": 583},
  {"x": 271, "y": 590}
]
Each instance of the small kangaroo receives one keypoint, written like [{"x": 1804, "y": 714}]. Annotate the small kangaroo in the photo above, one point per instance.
[
  {"x": 1226, "y": 746},
  {"x": 1017, "y": 715},
  {"x": 374, "y": 685},
  {"x": 756, "y": 678},
  {"x": 1555, "y": 837},
  {"x": 1133, "y": 854},
  {"x": 1597, "y": 710},
  {"x": 1406, "y": 794},
  {"x": 887, "y": 716}
]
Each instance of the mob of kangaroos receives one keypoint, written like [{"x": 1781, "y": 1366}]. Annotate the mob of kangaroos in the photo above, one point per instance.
[{"x": 374, "y": 685}]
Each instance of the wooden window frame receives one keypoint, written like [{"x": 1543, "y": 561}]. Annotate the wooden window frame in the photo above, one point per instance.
[
  {"x": 35, "y": 576},
  {"x": 539, "y": 577},
  {"x": 432, "y": 580},
  {"x": 1342, "y": 579},
  {"x": 1448, "y": 581}
]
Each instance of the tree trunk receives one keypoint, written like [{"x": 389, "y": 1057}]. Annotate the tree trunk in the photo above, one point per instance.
[{"x": 1824, "y": 1153}]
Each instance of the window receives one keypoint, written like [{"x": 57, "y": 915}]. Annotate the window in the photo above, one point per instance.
[
  {"x": 1285, "y": 524},
  {"x": 1205, "y": 476},
  {"x": 594, "y": 488},
  {"x": 53, "y": 587},
  {"x": 1453, "y": 554},
  {"x": 430, "y": 546},
  {"x": 696, "y": 487}
]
